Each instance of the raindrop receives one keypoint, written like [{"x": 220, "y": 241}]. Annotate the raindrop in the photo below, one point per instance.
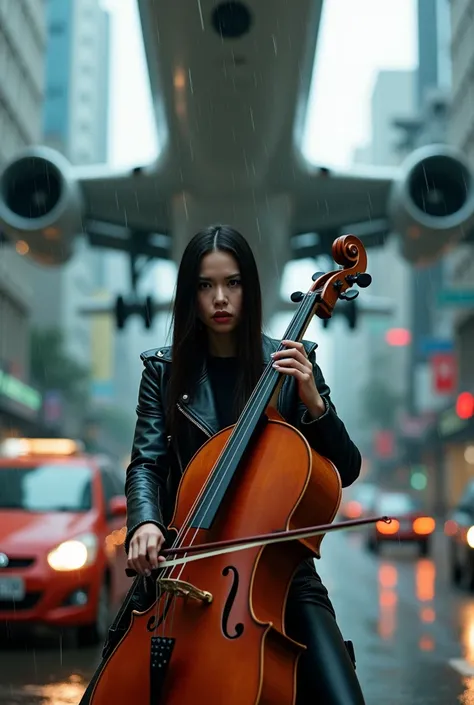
[
  {"x": 252, "y": 118},
  {"x": 200, "y": 14},
  {"x": 61, "y": 649}
]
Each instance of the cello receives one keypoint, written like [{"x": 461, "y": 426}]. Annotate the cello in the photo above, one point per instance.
[{"x": 214, "y": 632}]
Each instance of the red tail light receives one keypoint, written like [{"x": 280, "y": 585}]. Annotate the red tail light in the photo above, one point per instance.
[{"x": 424, "y": 526}]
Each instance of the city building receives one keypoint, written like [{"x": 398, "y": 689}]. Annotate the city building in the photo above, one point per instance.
[
  {"x": 75, "y": 122},
  {"x": 360, "y": 352},
  {"x": 22, "y": 51},
  {"x": 452, "y": 433}
]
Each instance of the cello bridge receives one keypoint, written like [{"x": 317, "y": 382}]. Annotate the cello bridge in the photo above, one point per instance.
[{"x": 181, "y": 588}]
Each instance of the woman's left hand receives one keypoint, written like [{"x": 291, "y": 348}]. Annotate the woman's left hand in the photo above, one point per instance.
[{"x": 294, "y": 361}]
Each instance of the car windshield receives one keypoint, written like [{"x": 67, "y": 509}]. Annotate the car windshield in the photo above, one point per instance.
[
  {"x": 396, "y": 504},
  {"x": 46, "y": 488}
]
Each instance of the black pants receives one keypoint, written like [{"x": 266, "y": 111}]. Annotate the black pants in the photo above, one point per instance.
[{"x": 326, "y": 674}]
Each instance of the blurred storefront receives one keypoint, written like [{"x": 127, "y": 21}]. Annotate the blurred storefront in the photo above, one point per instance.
[
  {"x": 447, "y": 448},
  {"x": 20, "y": 406}
]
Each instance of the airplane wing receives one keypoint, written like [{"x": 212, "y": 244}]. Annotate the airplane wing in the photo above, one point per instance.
[
  {"x": 329, "y": 201},
  {"x": 126, "y": 211}
]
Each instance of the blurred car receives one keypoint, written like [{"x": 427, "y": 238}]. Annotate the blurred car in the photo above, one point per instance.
[
  {"x": 409, "y": 522},
  {"x": 62, "y": 528},
  {"x": 357, "y": 501},
  {"x": 459, "y": 529}
]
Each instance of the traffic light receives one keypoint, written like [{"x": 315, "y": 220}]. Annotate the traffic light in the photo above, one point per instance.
[
  {"x": 465, "y": 405},
  {"x": 418, "y": 478},
  {"x": 398, "y": 337}
]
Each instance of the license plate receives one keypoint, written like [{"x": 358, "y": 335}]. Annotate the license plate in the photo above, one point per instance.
[{"x": 12, "y": 589}]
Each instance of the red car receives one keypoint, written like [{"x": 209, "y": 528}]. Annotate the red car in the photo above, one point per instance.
[
  {"x": 409, "y": 522},
  {"x": 62, "y": 528}
]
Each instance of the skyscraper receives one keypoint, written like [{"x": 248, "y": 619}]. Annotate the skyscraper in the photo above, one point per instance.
[
  {"x": 75, "y": 122},
  {"x": 22, "y": 48}
]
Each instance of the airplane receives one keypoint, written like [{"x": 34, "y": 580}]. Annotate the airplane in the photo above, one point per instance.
[{"x": 230, "y": 82}]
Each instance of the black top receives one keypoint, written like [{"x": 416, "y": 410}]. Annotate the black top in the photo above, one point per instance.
[{"x": 223, "y": 373}]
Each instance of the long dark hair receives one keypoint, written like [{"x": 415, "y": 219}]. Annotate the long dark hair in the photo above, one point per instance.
[{"x": 189, "y": 334}]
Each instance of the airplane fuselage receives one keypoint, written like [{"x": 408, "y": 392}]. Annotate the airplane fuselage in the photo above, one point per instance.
[{"x": 229, "y": 112}]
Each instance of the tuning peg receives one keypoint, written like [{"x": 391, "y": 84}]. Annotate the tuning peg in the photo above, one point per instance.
[
  {"x": 297, "y": 296},
  {"x": 350, "y": 295},
  {"x": 363, "y": 280},
  {"x": 316, "y": 275}
]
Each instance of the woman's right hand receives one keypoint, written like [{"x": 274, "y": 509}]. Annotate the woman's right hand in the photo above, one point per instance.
[{"x": 144, "y": 549}]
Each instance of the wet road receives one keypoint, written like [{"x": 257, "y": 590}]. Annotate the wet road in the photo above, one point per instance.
[{"x": 412, "y": 633}]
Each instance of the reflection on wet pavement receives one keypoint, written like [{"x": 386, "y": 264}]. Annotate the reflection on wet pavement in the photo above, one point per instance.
[
  {"x": 43, "y": 671},
  {"x": 388, "y": 598},
  {"x": 425, "y": 577}
]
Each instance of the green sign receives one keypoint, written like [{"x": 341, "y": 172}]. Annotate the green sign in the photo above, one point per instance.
[
  {"x": 20, "y": 392},
  {"x": 458, "y": 298},
  {"x": 450, "y": 423}
]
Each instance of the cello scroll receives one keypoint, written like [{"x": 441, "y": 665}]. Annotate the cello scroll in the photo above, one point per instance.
[{"x": 349, "y": 252}]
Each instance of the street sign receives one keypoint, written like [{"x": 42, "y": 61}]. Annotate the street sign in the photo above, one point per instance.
[
  {"x": 444, "y": 370},
  {"x": 457, "y": 298},
  {"x": 431, "y": 346}
]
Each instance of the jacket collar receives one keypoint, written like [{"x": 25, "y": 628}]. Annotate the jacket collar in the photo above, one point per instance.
[{"x": 200, "y": 407}]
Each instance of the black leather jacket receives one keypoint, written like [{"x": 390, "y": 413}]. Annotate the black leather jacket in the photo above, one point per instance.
[{"x": 157, "y": 460}]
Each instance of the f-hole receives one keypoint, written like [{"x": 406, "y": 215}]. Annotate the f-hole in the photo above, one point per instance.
[{"x": 229, "y": 603}]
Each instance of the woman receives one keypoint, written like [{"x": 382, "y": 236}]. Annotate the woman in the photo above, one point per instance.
[{"x": 218, "y": 354}]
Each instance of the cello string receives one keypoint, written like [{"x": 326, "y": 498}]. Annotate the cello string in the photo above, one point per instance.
[{"x": 256, "y": 397}]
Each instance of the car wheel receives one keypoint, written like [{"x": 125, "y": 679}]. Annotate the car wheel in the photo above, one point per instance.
[
  {"x": 95, "y": 633},
  {"x": 424, "y": 548}
]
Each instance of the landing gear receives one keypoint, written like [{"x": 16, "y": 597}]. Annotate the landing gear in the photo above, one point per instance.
[
  {"x": 124, "y": 309},
  {"x": 142, "y": 248},
  {"x": 134, "y": 305}
]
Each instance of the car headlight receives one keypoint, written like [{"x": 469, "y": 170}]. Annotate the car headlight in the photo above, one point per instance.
[
  {"x": 470, "y": 537},
  {"x": 74, "y": 554}
]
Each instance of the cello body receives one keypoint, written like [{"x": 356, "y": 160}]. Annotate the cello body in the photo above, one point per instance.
[{"x": 233, "y": 650}]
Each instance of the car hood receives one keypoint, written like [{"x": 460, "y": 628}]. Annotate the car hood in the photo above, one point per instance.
[{"x": 25, "y": 533}]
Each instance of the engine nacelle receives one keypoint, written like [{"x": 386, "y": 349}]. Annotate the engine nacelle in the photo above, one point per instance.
[
  {"x": 432, "y": 205},
  {"x": 40, "y": 205}
]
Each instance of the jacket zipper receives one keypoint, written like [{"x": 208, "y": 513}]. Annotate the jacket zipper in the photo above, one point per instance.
[{"x": 193, "y": 420}]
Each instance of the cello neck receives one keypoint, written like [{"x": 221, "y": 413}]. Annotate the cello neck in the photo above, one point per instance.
[{"x": 245, "y": 428}]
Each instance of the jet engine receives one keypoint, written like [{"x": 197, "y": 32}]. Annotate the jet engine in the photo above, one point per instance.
[
  {"x": 432, "y": 205},
  {"x": 40, "y": 205}
]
